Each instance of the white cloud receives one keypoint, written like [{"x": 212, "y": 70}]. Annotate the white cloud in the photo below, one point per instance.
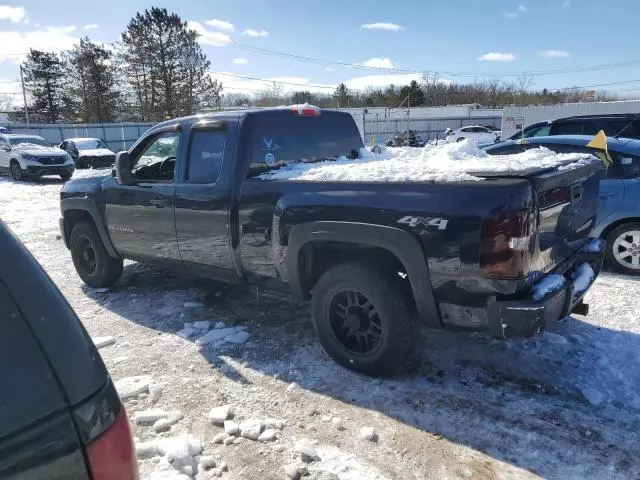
[
  {"x": 566, "y": 4},
  {"x": 328, "y": 69},
  {"x": 382, "y": 81},
  {"x": 522, "y": 8},
  {"x": 220, "y": 24},
  {"x": 511, "y": 14},
  {"x": 255, "y": 33},
  {"x": 394, "y": 27},
  {"x": 91, "y": 26},
  {"x": 497, "y": 57},
  {"x": 378, "y": 62},
  {"x": 15, "y": 14},
  {"x": 240, "y": 61},
  {"x": 216, "y": 39},
  {"x": 554, "y": 54},
  {"x": 48, "y": 39}
]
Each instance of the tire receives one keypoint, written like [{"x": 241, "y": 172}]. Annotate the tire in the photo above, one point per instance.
[
  {"x": 375, "y": 304},
  {"x": 94, "y": 265},
  {"x": 460, "y": 139},
  {"x": 66, "y": 176},
  {"x": 620, "y": 241},
  {"x": 16, "y": 171}
]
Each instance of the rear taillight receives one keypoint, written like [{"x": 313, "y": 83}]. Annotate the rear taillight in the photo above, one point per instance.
[
  {"x": 506, "y": 245},
  {"x": 305, "y": 110},
  {"x": 112, "y": 455}
]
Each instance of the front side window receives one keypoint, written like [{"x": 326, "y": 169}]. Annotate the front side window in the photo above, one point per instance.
[
  {"x": 156, "y": 161},
  {"x": 569, "y": 128},
  {"x": 539, "y": 132},
  {"x": 206, "y": 154}
]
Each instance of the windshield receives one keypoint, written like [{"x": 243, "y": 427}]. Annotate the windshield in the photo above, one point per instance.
[
  {"x": 24, "y": 142},
  {"x": 90, "y": 144}
]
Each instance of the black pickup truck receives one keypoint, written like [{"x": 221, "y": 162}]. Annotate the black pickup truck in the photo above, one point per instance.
[{"x": 376, "y": 259}]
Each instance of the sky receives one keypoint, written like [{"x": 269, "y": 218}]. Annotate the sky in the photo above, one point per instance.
[{"x": 364, "y": 43}]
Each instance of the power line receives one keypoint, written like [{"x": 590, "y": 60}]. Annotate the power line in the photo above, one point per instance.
[{"x": 323, "y": 61}]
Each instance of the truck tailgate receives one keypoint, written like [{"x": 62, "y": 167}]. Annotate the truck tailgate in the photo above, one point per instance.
[{"x": 566, "y": 206}]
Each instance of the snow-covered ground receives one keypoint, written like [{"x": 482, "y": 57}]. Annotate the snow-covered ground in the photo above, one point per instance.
[{"x": 564, "y": 406}]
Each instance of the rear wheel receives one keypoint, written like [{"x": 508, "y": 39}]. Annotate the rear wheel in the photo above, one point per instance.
[
  {"x": 623, "y": 249},
  {"x": 93, "y": 264},
  {"x": 363, "y": 320},
  {"x": 16, "y": 171},
  {"x": 66, "y": 175}
]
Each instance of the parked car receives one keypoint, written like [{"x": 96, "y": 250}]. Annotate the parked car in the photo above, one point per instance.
[
  {"x": 408, "y": 138},
  {"x": 89, "y": 152},
  {"x": 618, "y": 220},
  {"x": 4, "y": 130},
  {"x": 476, "y": 133},
  {"x": 622, "y": 125},
  {"x": 31, "y": 156},
  {"x": 372, "y": 257},
  {"x": 60, "y": 415}
]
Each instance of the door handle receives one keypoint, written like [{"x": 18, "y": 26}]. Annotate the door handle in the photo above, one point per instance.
[{"x": 159, "y": 202}]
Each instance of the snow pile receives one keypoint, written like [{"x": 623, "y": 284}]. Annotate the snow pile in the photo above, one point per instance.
[
  {"x": 177, "y": 455},
  {"x": 235, "y": 335},
  {"x": 595, "y": 245},
  {"x": 582, "y": 277},
  {"x": 550, "y": 283},
  {"x": 442, "y": 163}
]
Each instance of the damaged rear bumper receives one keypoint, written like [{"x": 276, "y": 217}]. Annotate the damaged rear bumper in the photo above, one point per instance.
[{"x": 527, "y": 317}]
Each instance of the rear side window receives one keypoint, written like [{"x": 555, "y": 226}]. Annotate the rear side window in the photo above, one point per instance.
[
  {"x": 568, "y": 128},
  {"x": 624, "y": 166},
  {"x": 624, "y": 128},
  {"x": 29, "y": 389},
  {"x": 283, "y": 138},
  {"x": 206, "y": 153}
]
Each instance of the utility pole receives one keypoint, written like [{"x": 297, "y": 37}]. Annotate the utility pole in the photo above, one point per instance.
[{"x": 24, "y": 96}]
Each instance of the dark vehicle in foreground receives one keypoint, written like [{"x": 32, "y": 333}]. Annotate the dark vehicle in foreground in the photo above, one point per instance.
[
  {"x": 60, "y": 415},
  {"x": 30, "y": 156},
  {"x": 89, "y": 152},
  {"x": 376, "y": 259},
  {"x": 618, "y": 220},
  {"x": 625, "y": 125}
]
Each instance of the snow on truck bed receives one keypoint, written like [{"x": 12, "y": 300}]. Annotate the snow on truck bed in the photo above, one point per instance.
[{"x": 442, "y": 163}]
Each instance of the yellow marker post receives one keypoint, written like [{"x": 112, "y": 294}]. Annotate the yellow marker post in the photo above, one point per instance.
[{"x": 599, "y": 143}]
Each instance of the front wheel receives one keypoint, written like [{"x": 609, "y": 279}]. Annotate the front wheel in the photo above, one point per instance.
[
  {"x": 66, "y": 176},
  {"x": 94, "y": 265},
  {"x": 460, "y": 139},
  {"x": 623, "y": 249},
  {"x": 362, "y": 320},
  {"x": 16, "y": 172}
]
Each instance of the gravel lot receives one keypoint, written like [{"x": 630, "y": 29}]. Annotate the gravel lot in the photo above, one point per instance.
[{"x": 564, "y": 405}]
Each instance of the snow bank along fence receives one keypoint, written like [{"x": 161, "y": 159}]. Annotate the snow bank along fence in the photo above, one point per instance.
[{"x": 118, "y": 136}]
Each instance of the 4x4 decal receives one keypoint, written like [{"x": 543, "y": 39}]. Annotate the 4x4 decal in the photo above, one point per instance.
[{"x": 440, "y": 223}]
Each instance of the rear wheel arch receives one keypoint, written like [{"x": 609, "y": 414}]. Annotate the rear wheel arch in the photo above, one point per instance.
[
  {"x": 393, "y": 250},
  {"x": 618, "y": 223}
]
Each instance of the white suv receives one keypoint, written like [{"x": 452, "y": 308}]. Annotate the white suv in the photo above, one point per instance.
[
  {"x": 31, "y": 156},
  {"x": 475, "y": 133}
]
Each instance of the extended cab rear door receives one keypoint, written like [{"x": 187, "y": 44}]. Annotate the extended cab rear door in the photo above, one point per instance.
[{"x": 202, "y": 199}]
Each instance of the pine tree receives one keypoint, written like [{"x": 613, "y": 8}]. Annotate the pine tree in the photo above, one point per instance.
[
  {"x": 45, "y": 82},
  {"x": 342, "y": 95},
  {"x": 92, "y": 82},
  {"x": 165, "y": 66}
]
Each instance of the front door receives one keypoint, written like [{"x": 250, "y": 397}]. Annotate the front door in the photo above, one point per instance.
[
  {"x": 140, "y": 217},
  {"x": 202, "y": 201}
]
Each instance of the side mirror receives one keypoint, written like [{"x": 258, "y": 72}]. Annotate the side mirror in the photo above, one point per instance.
[{"x": 123, "y": 169}]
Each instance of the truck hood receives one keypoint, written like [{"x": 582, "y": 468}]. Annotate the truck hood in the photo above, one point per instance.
[
  {"x": 96, "y": 152},
  {"x": 83, "y": 185}
]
